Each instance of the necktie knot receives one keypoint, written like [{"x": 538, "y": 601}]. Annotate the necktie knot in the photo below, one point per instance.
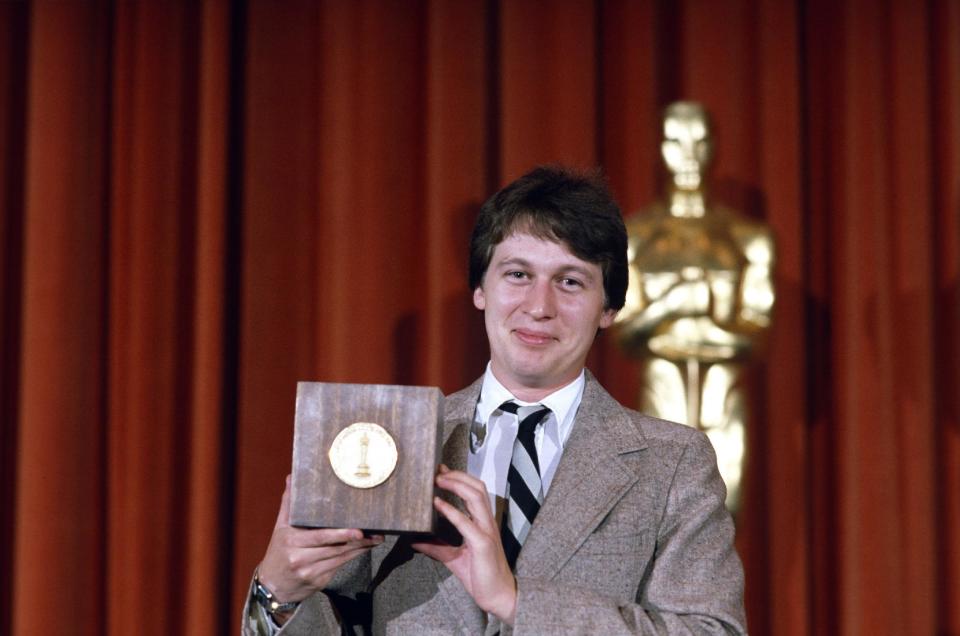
[
  {"x": 510, "y": 407},
  {"x": 528, "y": 416}
]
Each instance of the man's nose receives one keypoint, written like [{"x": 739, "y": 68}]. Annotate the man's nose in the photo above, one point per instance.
[{"x": 541, "y": 300}]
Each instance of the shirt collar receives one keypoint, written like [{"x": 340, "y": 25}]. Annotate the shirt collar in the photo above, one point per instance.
[{"x": 562, "y": 402}]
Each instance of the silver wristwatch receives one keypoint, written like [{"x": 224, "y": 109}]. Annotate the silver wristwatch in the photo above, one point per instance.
[{"x": 266, "y": 599}]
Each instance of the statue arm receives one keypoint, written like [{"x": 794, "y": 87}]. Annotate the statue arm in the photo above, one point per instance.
[
  {"x": 757, "y": 293},
  {"x": 656, "y": 298}
]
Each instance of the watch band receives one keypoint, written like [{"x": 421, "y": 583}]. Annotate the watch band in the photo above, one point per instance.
[{"x": 265, "y": 597}]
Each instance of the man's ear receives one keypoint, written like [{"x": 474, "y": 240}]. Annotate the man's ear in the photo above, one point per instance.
[
  {"x": 607, "y": 317},
  {"x": 479, "y": 299}
]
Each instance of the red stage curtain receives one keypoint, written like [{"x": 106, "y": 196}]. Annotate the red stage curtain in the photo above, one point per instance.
[{"x": 203, "y": 203}]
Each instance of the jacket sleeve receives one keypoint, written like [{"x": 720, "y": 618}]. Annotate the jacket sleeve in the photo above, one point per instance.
[
  {"x": 694, "y": 584},
  {"x": 331, "y": 612}
]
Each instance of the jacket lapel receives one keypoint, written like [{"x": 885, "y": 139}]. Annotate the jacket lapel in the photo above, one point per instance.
[
  {"x": 590, "y": 479},
  {"x": 458, "y": 415}
]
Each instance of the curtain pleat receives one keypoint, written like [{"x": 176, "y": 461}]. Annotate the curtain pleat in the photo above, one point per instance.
[{"x": 59, "y": 503}]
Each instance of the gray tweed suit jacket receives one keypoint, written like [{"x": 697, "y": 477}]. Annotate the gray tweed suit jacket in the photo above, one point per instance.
[{"x": 632, "y": 538}]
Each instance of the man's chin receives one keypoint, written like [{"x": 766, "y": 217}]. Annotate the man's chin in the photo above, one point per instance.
[
  {"x": 532, "y": 372},
  {"x": 536, "y": 377}
]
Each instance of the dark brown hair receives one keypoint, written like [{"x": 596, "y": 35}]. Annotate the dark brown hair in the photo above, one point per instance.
[{"x": 557, "y": 204}]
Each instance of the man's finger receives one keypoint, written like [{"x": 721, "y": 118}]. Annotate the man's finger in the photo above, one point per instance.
[
  {"x": 476, "y": 499},
  {"x": 461, "y": 477},
  {"x": 460, "y": 521},
  {"x": 330, "y": 537},
  {"x": 441, "y": 552},
  {"x": 318, "y": 573},
  {"x": 331, "y": 553}
]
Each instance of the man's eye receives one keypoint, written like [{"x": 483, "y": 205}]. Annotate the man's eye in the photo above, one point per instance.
[
  {"x": 571, "y": 282},
  {"x": 517, "y": 275}
]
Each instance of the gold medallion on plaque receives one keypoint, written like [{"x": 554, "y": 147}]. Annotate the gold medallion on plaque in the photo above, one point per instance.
[{"x": 363, "y": 455}]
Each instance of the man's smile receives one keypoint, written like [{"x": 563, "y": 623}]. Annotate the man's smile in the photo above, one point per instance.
[{"x": 530, "y": 337}]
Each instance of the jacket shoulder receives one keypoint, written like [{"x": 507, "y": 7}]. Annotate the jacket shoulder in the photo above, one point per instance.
[{"x": 653, "y": 429}]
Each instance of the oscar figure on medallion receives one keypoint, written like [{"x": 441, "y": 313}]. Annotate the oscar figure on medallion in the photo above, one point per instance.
[
  {"x": 363, "y": 470},
  {"x": 700, "y": 298}
]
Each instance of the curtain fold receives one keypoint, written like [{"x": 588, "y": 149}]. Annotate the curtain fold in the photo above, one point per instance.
[
  {"x": 59, "y": 502},
  {"x": 203, "y": 203},
  {"x": 13, "y": 68},
  {"x": 207, "y": 552},
  {"x": 944, "y": 123}
]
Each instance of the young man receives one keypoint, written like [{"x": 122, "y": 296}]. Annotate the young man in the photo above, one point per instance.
[{"x": 620, "y": 516}]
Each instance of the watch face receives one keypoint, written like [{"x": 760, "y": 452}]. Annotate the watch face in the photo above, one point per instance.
[
  {"x": 363, "y": 455},
  {"x": 265, "y": 598}
]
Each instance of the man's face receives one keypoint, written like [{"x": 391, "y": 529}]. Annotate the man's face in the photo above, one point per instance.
[{"x": 542, "y": 307}]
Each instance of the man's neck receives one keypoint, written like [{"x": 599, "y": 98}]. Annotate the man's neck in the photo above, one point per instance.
[{"x": 533, "y": 394}]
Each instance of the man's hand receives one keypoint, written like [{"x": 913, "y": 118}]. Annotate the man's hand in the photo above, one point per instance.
[
  {"x": 479, "y": 563},
  {"x": 301, "y": 561}
]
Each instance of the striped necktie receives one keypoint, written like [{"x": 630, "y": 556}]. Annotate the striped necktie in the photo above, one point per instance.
[{"x": 524, "y": 489}]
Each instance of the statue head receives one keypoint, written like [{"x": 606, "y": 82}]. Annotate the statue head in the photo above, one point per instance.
[{"x": 687, "y": 146}]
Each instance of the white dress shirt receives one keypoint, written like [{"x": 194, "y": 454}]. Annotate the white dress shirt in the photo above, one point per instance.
[{"x": 492, "y": 450}]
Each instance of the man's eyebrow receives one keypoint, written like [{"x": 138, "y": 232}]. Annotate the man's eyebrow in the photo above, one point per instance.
[
  {"x": 513, "y": 261},
  {"x": 577, "y": 269},
  {"x": 519, "y": 261}
]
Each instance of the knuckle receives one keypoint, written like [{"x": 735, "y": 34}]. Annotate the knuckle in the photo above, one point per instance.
[{"x": 293, "y": 561}]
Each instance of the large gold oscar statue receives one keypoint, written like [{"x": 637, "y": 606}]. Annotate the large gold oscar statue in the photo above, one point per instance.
[{"x": 700, "y": 298}]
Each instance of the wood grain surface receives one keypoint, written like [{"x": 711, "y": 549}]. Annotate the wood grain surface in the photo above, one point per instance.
[{"x": 404, "y": 502}]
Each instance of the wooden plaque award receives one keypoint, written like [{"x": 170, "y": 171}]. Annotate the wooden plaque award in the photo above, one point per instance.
[{"x": 365, "y": 456}]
